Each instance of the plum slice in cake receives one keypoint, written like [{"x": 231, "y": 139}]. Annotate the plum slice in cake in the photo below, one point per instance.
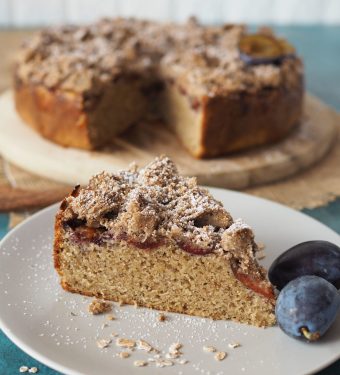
[{"x": 156, "y": 239}]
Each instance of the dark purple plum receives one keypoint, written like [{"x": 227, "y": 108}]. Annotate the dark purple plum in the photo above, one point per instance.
[
  {"x": 319, "y": 258},
  {"x": 306, "y": 307},
  {"x": 259, "y": 48}
]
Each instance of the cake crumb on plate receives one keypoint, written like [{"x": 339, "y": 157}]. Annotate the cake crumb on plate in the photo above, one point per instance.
[
  {"x": 162, "y": 317},
  {"x": 219, "y": 356},
  {"x": 99, "y": 307}
]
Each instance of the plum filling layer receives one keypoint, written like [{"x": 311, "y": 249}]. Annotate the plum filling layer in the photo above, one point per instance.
[
  {"x": 194, "y": 249},
  {"x": 146, "y": 245},
  {"x": 84, "y": 234},
  {"x": 255, "y": 284}
]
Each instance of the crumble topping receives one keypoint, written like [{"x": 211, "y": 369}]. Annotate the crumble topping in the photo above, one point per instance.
[
  {"x": 155, "y": 203},
  {"x": 83, "y": 59},
  {"x": 149, "y": 204}
]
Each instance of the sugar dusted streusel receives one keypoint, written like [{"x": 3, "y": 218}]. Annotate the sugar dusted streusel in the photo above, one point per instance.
[{"x": 81, "y": 58}]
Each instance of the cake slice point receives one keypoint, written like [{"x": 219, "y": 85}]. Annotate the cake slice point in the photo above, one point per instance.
[{"x": 156, "y": 239}]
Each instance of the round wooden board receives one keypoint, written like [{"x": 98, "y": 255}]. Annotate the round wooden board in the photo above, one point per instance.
[{"x": 305, "y": 146}]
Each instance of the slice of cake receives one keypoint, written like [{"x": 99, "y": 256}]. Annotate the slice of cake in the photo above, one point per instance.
[{"x": 154, "y": 238}]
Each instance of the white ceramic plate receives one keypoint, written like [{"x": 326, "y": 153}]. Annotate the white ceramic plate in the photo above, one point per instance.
[{"x": 38, "y": 315}]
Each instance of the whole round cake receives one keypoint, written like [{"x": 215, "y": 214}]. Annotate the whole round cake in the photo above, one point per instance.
[{"x": 219, "y": 88}]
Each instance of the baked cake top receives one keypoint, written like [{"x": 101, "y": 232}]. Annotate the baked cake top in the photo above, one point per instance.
[
  {"x": 84, "y": 58},
  {"x": 154, "y": 203}
]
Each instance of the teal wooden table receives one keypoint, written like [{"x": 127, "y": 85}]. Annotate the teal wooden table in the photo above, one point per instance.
[{"x": 320, "y": 48}]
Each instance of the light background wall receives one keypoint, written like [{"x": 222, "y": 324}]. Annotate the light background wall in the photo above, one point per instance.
[{"x": 23, "y": 13}]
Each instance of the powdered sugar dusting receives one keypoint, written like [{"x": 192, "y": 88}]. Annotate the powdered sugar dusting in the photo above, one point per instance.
[
  {"x": 151, "y": 204},
  {"x": 85, "y": 58}
]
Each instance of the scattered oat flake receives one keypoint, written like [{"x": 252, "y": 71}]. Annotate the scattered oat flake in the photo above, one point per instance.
[
  {"x": 173, "y": 355},
  {"x": 124, "y": 354},
  {"x": 33, "y": 370},
  {"x": 209, "y": 349},
  {"x": 103, "y": 343},
  {"x": 143, "y": 345},
  {"x": 99, "y": 307},
  {"x": 110, "y": 317},
  {"x": 183, "y": 361},
  {"x": 219, "y": 356},
  {"x": 234, "y": 345},
  {"x": 23, "y": 369},
  {"x": 162, "y": 317},
  {"x": 174, "y": 347},
  {"x": 140, "y": 363},
  {"x": 104, "y": 325},
  {"x": 125, "y": 343},
  {"x": 163, "y": 363}
]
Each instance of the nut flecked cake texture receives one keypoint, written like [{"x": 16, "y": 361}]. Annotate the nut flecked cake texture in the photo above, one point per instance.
[
  {"x": 154, "y": 238},
  {"x": 220, "y": 89}
]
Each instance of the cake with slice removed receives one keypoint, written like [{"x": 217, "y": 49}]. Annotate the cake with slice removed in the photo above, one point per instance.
[
  {"x": 156, "y": 239},
  {"x": 220, "y": 89}
]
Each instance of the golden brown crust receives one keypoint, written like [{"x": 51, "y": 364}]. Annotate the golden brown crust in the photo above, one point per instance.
[
  {"x": 229, "y": 124},
  {"x": 57, "y": 116},
  {"x": 245, "y": 120}
]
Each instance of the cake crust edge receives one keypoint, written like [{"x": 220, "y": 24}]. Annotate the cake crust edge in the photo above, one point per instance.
[{"x": 59, "y": 117}]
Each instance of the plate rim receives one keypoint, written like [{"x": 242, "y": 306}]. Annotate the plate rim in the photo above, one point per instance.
[{"x": 57, "y": 366}]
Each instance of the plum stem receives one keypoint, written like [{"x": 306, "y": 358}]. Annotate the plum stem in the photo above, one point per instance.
[{"x": 310, "y": 336}]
